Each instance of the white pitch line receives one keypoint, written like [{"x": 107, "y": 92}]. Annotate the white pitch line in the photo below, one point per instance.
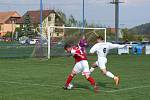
[
  {"x": 54, "y": 64},
  {"x": 20, "y": 83},
  {"x": 42, "y": 85},
  {"x": 125, "y": 89}
]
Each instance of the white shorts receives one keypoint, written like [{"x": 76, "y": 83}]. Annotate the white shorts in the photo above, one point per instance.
[
  {"x": 101, "y": 62},
  {"x": 83, "y": 67}
]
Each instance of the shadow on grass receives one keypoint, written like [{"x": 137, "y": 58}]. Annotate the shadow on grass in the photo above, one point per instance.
[
  {"x": 105, "y": 85},
  {"x": 80, "y": 86}
]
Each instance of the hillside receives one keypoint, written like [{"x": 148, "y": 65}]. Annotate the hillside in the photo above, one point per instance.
[{"x": 143, "y": 29}]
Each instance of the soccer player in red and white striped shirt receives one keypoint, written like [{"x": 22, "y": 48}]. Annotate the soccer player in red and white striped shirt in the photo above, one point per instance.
[{"x": 81, "y": 65}]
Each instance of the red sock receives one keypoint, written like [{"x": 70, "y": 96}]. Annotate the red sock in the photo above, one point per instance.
[
  {"x": 91, "y": 80},
  {"x": 69, "y": 79}
]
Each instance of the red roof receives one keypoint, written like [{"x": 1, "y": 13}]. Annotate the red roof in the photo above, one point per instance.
[
  {"x": 35, "y": 16},
  {"x": 4, "y": 16}
]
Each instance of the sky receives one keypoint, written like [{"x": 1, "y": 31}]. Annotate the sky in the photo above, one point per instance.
[{"x": 132, "y": 12}]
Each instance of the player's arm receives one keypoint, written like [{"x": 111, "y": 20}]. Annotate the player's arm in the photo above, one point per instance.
[
  {"x": 79, "y": 55},
  {"x": 73, "y": 52},
  {"x": 112, "y": 46},
  {"x": 93, "y": 49}
]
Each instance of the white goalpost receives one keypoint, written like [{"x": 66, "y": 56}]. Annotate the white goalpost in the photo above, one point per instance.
[{"x": 51, "y": 29}]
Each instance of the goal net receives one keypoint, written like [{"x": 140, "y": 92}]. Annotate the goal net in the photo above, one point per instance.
[{"x": 58, "y": 36}]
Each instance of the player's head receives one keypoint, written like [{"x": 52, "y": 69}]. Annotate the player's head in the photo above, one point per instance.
[
  {"x": 67, "y": 48},
  {"x": 83, "y": 37},
  {"x": 99, "y": 39}
]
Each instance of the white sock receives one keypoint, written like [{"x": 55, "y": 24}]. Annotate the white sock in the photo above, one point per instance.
[
  {"x": 92, "y": 69},
  {"x": 109, "y": 74}
]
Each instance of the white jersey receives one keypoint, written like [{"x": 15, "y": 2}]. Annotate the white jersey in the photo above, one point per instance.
[{"x": 102, "y": 49}]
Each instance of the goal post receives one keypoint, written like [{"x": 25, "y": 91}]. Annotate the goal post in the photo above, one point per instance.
[{"x": 51, "y": 29}]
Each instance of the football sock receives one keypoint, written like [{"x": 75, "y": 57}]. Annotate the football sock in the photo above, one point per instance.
[
  {"x": 91, "y": 80},
  {"x": 69, "y": 79},
  {"x": 92, "y": 69},
  {"x": 109, "y": 74}
]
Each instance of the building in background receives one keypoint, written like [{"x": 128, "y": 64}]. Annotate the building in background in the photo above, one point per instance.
[
  {"x": 50, "y": 18},
  {"x": 8, "y": 22}
]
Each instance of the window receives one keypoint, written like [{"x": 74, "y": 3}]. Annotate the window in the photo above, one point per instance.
[
  {"x": 57, "y": 34},
  {"x": 1, "y": 27},
  {"x": 49, "y": 18},
  {"x": 57, "y": 19}
]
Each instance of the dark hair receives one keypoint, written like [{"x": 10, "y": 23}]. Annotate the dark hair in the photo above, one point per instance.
[
  {"x": 100, "y": 37},
  {"x": 67, "y": 46}
]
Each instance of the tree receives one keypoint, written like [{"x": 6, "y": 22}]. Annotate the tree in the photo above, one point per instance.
[
  {"x": 7, "y": 35},
  {"x": 18, "y": 30},
  {"x": 71, "y": 21},
  {"x": 28, "y": 27},
  {"x": 128, "y": 35},
  {"x": 125, "y": 34},
  {"x": 62, "y": 16}
]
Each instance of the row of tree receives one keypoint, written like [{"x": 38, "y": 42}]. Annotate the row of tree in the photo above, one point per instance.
[{"x": 71, "y": 21}]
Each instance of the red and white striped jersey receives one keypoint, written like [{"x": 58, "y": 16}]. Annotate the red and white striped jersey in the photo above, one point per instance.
[{"x": 78, "y": 54}]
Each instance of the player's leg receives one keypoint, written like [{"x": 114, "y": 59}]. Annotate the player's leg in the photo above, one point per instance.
[
  {"x": 107, "y": 73},
  {"x": 86, "y": 73},
  {"x": 74, "y": 72},
  {"x": 102, "y": 65},
  {"x": 111, "y": 75},
  {"x": 69, "y": 79},
  {"x": 94, "y": 65},
  {"x": 92, "y": 82}
]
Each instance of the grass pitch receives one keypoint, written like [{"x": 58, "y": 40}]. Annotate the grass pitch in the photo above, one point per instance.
[{"x": 35, "y": 79}]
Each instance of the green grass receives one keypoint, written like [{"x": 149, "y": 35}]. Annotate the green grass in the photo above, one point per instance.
[{"x": 39, "y": 79}]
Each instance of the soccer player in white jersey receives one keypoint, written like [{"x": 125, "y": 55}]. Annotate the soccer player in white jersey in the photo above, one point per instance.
[{"x": 102, "y": 48}]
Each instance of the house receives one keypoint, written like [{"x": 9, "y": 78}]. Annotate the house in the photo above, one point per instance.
[
  {"x": 111, "y": 30},
  {"x": 8, "y": 22},
  {"x": 50, "y": 18}
]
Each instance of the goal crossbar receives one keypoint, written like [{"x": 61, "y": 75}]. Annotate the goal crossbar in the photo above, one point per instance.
[{"x": 63, "y": 27}]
